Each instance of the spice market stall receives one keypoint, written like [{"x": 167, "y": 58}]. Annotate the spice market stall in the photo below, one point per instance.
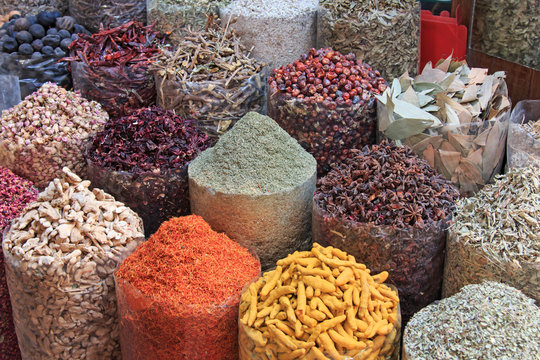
[
  {"x": 320, "y": 304},
  {"x": 178, "y": 293},
  {"x": 211, "y": 78},
  {"x": 389, "y": 209},
  {"x": 256, "y": 186},
  {"x": 60, "y": 255}
]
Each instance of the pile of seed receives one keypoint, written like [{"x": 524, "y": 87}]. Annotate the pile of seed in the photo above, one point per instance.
[
  {"x": 255, "y": 157},
  {"x": 60, "y": 257},
  {"x": 386, "y": 185},
  {"x": 483, "y": 321},
  {"x": 48, "y": 130},
  {"x": 15, "y": 194},
  {"x": 279, "y": 31}
]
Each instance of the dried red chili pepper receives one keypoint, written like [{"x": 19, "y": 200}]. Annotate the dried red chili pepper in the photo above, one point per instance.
[
  {"x": 111, "y": 66},
  {"x": 15, "y": 194},
  {"x": 178, "y": 293},
  {"x": 142, "y": 161}
]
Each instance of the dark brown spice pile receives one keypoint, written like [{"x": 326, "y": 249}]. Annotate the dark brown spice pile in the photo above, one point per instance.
[
  {"x": 15, "y": 194},
  {"x": 150, "y": 139},
  {"x": 386, "y": 185}
]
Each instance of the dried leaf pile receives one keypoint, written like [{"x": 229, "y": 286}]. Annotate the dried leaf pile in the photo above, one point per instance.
[
  {"x": 364, "y": 27},
  {"x": 210, "y": 77},
  {"x": 523, "y": 146},
  {"x": 454, "y": 116},
  {"x": 508, "y": 29},
  {"x": 496, "y": 235}
]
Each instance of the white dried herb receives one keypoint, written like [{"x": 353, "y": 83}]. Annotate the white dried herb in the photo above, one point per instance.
[
  {"x": 496, "y": 235},
  {"x": 364, "y": 27},
  {"x": 484, "y": 321}
]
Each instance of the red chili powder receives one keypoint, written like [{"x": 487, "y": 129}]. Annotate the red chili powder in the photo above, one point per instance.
[
  {"x": 15, "y": 194},
  {"x": 178, "y": 293}
]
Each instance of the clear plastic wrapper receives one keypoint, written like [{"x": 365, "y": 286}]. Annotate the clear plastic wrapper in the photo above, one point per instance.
[
  {"x": 508, "y": 29},
  {"x": 155, "y": 197},
  {"x": 365, "y": 32},
  {"x": 470, "y": 155},
  {"x": 523, "y": 149},
  {"x": 10, "y": 92},
  {"x": 110, "y": 13},
  {"x": 328, "y": 133},
  {"x": 214, "y": 106},
  {"x": 33, "y": 73},
  {"x": 175, "y": 16},
  {"x": 119, "y": 89},
  {"x": 66, "y": 312},
  {"x": 154, "y": 330},
  {"x": 413, "y": 257}
]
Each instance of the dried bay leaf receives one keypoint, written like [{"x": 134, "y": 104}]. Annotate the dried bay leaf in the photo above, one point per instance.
[
  {"x": 444, "y": 64},
  {"x": 477, "y": 75},
  {"x": 429, "y": 155},
  {"x": 437, "y": 164},
  {"x": 492, "y": 150},
  {"x": 470, "y": 170},
  {"x": 445, "y": 145},
  {"x": 460, "y": 142},
  {"x": 475, "y": 157},
  {"x": 450, "y": 160},
  {"x": 404, "y": 128},
  {"x": 484, "y": 95},
  {"x": 481, "y": 139},
  {"x": 410, "y": 96},
  {"x": 421, "y": 146},
  {"x": 470, "y": 94},
  {"x": 430, "y": 76}
]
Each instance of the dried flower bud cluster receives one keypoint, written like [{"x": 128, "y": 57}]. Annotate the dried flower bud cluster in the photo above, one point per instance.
[
  {"x": 60, "y": 257},
  {"x": 47, "y": 131},
  {"x": 328, "y": 77},
  {"x": 387, "y": 185},
  {"x": 325, "y": 100}
]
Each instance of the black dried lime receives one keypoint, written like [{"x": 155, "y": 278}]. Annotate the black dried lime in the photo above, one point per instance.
[
  {"x": 21, "y": 24},
  {"x": 58, "y": 52},
  {"x": 51, "y": 40},
  {"x": 37, "y": 31},
  {"x": 10, "y": 45},
  {"x": 52, "y": 31},
  {"x": 46, "y": 19},
  {"x": 25, "y": 49},
  {"x": 37, "y": 44},
  {"x": 24, "y": 37},
  {"x": 64, "y": 34},
  {"x": 37, "y": 55},
  {"x": 64, "y": 44},
  {"x": 47, "y": 50}
]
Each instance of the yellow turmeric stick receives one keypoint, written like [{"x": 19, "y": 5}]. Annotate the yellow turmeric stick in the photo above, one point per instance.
[
  {"x": 291, "y": 258},
  {"x": 283, "y": 327},
  {"x": 351, "y": 315},
  {"x": 317, "y": 354},
  {"x": 346, "y": 341},
  {"x": 296, "y": 354},
  {"x": 271, "y": 283},
  {"x": 282, "y": 337},
  {"x": 255, "y": 336},
  {"x": 328, "y": 345},
  {"x": 317, "y": 315},
  {"x": 310, "y": 262},
  {"x": 301, "y": 298},
  {"x": 275, "y": 310},
  {"x": 381, "y": 277},
  {"x": 348, "y": 296},
  {"x": 346, "y": 276},
  {"x": 309, "y": 292},
  {"x": 314, "y": 271},
  {"x": 319, "y": 284},
  {"x": 331, "y": 323},
  {"x": 276, "y": 294},
  {"x": 252, "y": 307},
  {"x": 340, "y": 254}
]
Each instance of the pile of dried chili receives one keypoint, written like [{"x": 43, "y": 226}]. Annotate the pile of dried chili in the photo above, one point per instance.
[
  {"x": 142, "y": 160},
  {"x": 111, "y": 66},
  {"x": 178, "y": 293}
]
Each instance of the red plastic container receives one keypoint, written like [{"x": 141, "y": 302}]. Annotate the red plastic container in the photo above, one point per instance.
[{"x": 441, "y": 36}]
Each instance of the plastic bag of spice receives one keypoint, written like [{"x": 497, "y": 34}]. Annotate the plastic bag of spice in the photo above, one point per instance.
[
  {"x": 329, "y": 108},
  {"x": 215, "y": 107},
  {"x": 289, "y": 313},
  {"x": 523, "y": 146},
  {"x": 119, "y": 89},
  {"x": 365, "y": 27},
  {"x": 186, "y": 309},
  {"x": 59, "y": 268},
  {"x": 112, "y": 67},
  {"x": 34, "y": 72},
  {"x": 178, "y": 17},
  {"x": 109, "y": 13}
]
